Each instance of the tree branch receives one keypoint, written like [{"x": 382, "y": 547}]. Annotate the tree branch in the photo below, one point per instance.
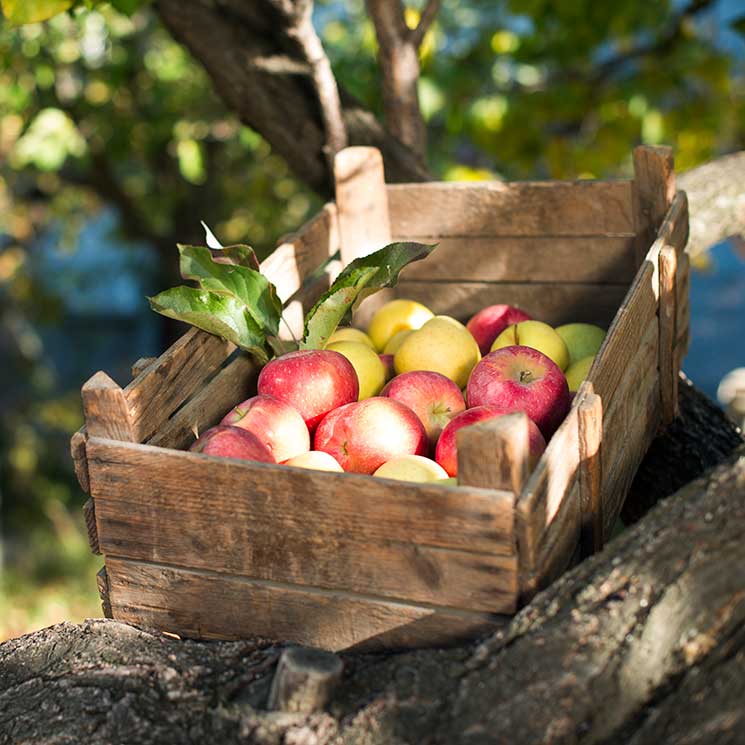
[{"x": 431, "y": 9}]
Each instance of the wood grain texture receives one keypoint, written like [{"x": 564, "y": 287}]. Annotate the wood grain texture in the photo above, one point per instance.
[
  {"x": 683, "y": 301},
  {"x": 590, "y": 434},
  {"x": 595, "y": 259},
  {"x": 300, "y": 254},
  {"x": 495, "y": 454},
  {"x": 234, "y": 383},
  {"x": 340, "y": 507},
  {"x": 674, "y": 228},
  {"x": 654, "y": 189},
  {"x": 107, "y": 413},
  {"x": 141, "y": 364},
  {"x": 492, "y": 208},
  {"x": 211, "y": 606},
  {"x": 174, "y": 376},
  {"x": 668, "y": 259},
  {"x": 79, "y": 461},
  {"x": 102, "y": 582},
  {"x": 89, "y": 516},
  {"x": 550, "y": 302}
]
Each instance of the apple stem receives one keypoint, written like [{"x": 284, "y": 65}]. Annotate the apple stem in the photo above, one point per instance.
[{"x": 526, "y": 376}]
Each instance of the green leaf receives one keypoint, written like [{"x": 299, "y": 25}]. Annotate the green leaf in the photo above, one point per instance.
[
  {"x": 18, "y": 12},
  {"x": 361, "y": 278},
  {"x": 245, "y": 285},
  {"x": 128, "y": 7},
  {"x": 215, "y": 313}
]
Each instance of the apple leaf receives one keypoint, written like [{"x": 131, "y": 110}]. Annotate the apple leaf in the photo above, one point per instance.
[
  {"x": 217, "y": 313},
  {"x": 237, "y": 280},
  {"x": 361, "y": 278}
]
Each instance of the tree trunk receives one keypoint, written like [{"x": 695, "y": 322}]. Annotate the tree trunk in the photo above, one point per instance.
[{"x": 643, "y": 643}]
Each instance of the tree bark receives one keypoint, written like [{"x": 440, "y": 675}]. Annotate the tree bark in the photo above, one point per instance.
[{"x": 643, "y": 643}]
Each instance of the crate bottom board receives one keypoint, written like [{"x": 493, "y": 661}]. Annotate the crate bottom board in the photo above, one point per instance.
[{"x": 206, "y": 605}]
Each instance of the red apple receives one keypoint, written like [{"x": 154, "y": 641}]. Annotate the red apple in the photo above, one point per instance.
[
  {"x": 232, "y": 442},
  {"x": 434, "y": 398},
  {"x": 490, "y": 322},
  {"x": 518, "y": 378},
  {"x": 314, "y": 381},
  {"x": 446, "y": 453},
  {"x": 364, "y": 435},
  {"x": 276, "y": 423}
]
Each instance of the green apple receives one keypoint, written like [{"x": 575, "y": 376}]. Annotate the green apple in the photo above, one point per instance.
[
  {"x": 582, "y": 339},
  {"x": 366, "y": 363},
  {"x": 395, "y": 316},
  {"x": 348, "y": 333},
  {"x": 577, "y": 372},
  {"x": 412, "y": 468},
  {"x": 537, "y": 335}
]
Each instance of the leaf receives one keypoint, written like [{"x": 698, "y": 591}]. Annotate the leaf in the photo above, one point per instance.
[
  {"x": 18, "y": 12},
  {"x": 240, "y": 282},
  {"x": 127, "y": 7},
  {"x": 361, "y": 278},
  {"x": 215, "y": 313}
]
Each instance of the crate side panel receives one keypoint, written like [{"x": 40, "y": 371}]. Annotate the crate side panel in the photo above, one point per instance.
[
  {"x": 550, "y": 302},
  {"x": 490, "y": 208},
  {"x": 595, "y": 259},
  {"x": 208, "y": 606}
]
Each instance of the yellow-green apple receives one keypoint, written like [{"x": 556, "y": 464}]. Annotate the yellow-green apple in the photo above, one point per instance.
[
  {"x": 396, "y": 341},
  {"x": 349, "y": 333},
  {"x": 491, "y": 321},
  {"x": 577, "y": 372},
  {"x": 232, "y": 442},
  {"x": 314, "y": 381},
  {"x": 521, "y": 378},
  {"x": 434, "y": 398},
  {"x": 316, "y": 460},
  {"x": 364, "y": 435},
  {"x": 387, "y": 360},
  {"x": 582, "y": 339},
  {"x": 276, "y": 423},
  {"x": 396, "y": 316},
  {"x": 537, "y": 335},
  {"x": 411, "y": 468},
  {"x": 446, "y": 453},
  {"x": 366, "y": 363},
  {"x": 442, "y": 345}
]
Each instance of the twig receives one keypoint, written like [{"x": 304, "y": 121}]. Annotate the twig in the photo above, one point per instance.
[{"x": 431, "y": 9}]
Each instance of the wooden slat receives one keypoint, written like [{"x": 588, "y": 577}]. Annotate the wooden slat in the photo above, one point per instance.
[
  {"x": 590, "y": 432},
  {"x": 550, "y": 302},
  {"x": 623, "y": 341},
  {"x": 102, "y": 580},
  {"x": 674, "y": 228},
  {"x": 492, "y": 208},
  {"x": 89, "y": 515},
  {"x": 107, "y": 413},
  {"x": 300, "y": 254},
  {"x": 668, "y": 334},
  {"x": 596, "y": 259},
  {"x": 206, "y": 605},
  {"x": 141, "y": 364},
  {"x": 79, "y": 461},
  {"x": 233, "y": 384},
  {"x": 292, "y": 501},
  {"x": 163, "y": 386},
  {"x": 495, "y": 454},
  {"x": 654, "y": 189},
  {"x": 683, "y": 301}
]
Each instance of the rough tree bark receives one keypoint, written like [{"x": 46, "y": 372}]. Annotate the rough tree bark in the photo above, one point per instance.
[{"x": 643, "y": 643}]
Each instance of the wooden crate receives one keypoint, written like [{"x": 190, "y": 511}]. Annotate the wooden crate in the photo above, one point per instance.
[{"x": 214, "y": 548}]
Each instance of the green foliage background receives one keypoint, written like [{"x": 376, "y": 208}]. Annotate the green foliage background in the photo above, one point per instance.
[{"x": 100, "y": 106}]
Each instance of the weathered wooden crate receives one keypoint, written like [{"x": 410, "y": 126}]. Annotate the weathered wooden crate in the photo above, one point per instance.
[{"x": 215, "y": 548}]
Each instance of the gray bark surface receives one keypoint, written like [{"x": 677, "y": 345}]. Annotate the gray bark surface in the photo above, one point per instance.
[{"x": 643, "y": 643}]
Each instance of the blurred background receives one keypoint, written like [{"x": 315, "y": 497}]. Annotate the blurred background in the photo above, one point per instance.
[{"x": 113, "y": 146}]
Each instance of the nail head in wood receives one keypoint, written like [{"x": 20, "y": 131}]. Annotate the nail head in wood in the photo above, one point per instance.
[
  {"x": 495, "y": 454},
  {"x": 304, "y": 680}
]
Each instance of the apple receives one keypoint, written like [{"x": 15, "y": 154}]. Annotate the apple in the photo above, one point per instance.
[
  {"x": 276, "y": 423},
  {"x": 490, "y": 322},
  {"x": 582, "y": 339},
  {"x": 446, "y": 453},
  {"x": 537, "y": 335},
  {"x": 441, "y": 345},
  {"x": 518, "y": 378},
  {"x": 364, "y": 435},
  {"x": 314, "y": 381},
  {"x": 316, "y": 460},
  {"x": 366, "y": 363},
  {"x": 387, "y": 360},
  {"x": 434, "y": 398},
  {"x": 411, "y": 468},
  {"x": 577, "y": 372},
  {"x": 396, "y": 341},
  {"x": 232, "y": 442},
  {"x": 348, "y": 333},
  {"x": 395, "y": 316}
]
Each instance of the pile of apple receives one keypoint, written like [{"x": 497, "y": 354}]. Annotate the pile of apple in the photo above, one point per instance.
[{"x": 390, "y": 401}]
